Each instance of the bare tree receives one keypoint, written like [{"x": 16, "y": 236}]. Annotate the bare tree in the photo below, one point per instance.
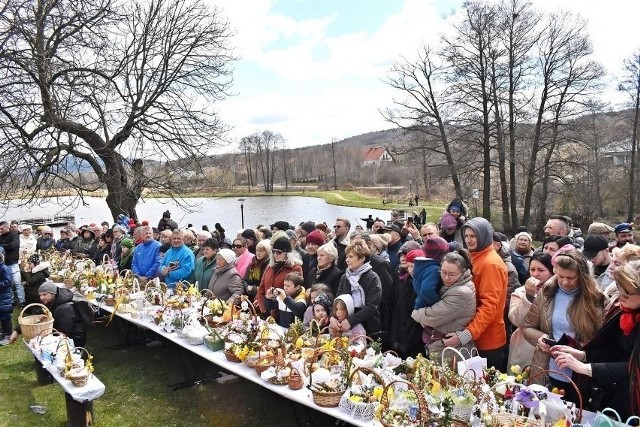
[
  {"x": 266, "y": 146},
  {"x": 631, "y": 85},
  {"x": 418, "y": 109},
  {"x": 109, "y": 86}
]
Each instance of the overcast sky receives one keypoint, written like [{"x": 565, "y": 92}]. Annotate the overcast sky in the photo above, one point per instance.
[{"x": 312, "y": 70}]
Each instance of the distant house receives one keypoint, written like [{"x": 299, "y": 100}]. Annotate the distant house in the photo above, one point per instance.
[
  {"x": 617, "y": 153},
  {"x": 376, "y": 156}
]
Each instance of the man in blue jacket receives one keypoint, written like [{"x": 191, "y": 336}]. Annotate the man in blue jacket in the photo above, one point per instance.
[
  {"x": 146, "y": 255},
  {"x": 178, "y": 262}
]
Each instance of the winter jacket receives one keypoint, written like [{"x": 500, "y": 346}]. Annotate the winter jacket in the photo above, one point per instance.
[
  {"x": 253, "y": 277},
  {"x": 167, "y": 224},
  {"x": 202, "y": 272},
  {"x": 32, "y": 281},
  {"x": 28, "y": 244},
  {"x": 520, "y": 351},
  {"x": 45, "y": 243},
  {"x": 454, "y": 311},
  {"x": 10, "y": 242},
  {"x": 490, "y": 279},
  {"x": 330, "y": 276},
  {"x": 6, "y": 292},
  {"x": 288, "y": 309},
  {"x": 426, "y": 282},
  {"x": 243, "y": 262},
  {"x": 382, "y": 267},
  {"x": 146, "y": 259},
  {"x": 368, "y": 315},
  {"x": 87, "y": 247},
  {"x": 226, "y": 284},
  {"x": 99, "y": 258},
  {"x": 341, "y": 247},
  {"x": 405, "y": 334},
  {"x": 184, "y": 256},
  {"x": 274, "y": 277},
  {"x": 609, "y": 353},
  {"x": 309, "y": 262},
  {"x": 66, "y": 318},
  {"x": 538, "y": 321}
]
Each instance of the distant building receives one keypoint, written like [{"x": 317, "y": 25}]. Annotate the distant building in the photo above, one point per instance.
[
  {"x": 617, "y": 153},
  {"x": 376, "y": 156}
]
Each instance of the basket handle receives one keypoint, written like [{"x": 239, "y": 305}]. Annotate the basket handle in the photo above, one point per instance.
[
  {"x": 456, "y": 351},
  {"x": 366, "y": 371},
  {"x": 35, "y": 304},
  {"x": 569, "y": 380}
]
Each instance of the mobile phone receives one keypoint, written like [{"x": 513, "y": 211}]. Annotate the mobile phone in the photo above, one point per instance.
[
  {"x": 173, "y": 264},
  {"x": 549, "y": 342}
]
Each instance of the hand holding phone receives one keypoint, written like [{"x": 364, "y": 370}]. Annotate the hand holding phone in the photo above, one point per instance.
[{"x": 548, "y": 341}]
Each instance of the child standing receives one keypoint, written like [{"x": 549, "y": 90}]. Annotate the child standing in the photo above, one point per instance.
[
  {"x": 321, "y": 307},
  {"x": 290, "y": 301},
  {"x": 343, "y": 307}
]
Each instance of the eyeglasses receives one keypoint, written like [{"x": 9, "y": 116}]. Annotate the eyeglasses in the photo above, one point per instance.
[
  {"x": 238, "y": 246},
  {"x": 47, "y": 234},
  {"x": 277, "y": 251},
  {"x": 449, "y": 275}
]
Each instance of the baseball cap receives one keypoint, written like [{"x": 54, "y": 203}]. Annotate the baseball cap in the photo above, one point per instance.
[{"x": 593, "y": 244}]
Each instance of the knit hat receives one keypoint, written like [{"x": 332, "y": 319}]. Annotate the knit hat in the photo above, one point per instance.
[
  {"x": 593, "y": 244},
  {"x": 249, "y": 234},
  {"x": 525, "y": 234},
  {"x": 280, "y": 225},
  {"x": 408, "y": 247},
  {"x": 457, "y": 206},
  {"x": 48, "y": 287},
  {"x": 291, "y": 234},
  {"x": 282, "y": 244},
  {"x": 227, "y": 255},
  {"x": 323, "y": 300},
  {"x": 34, "y": 259},
  {"x": 599, "y": 228},
  {"x": 127, "y": 243},
  {"x": 120, "y": 228},
  {"x": 435, "y": 248},
  {"x": 411, "y": 256},
  {"x": 448, "y": 222},
  {"x": 308, "y": 226},
  {"x": 166, "y": 214},
  {"x": 315, "y": 237},
  {"x": 144, "y": 223}
]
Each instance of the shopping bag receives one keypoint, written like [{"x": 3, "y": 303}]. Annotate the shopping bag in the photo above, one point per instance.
[
  {"x": 603, "y": 420},
  {"x": 465, "y": 365}
]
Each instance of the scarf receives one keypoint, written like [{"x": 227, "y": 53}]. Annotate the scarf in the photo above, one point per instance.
[
  {"x": 125, "y": 258},
  {"x": 628, "y": 320},
  {"x": 357, "y": 293}
]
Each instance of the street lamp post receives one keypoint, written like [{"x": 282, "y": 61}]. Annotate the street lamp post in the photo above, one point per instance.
[{"x": 242, "y": 211}]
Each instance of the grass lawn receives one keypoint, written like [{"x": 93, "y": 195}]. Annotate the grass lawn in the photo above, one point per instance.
[{"x": 137, "y": 392}]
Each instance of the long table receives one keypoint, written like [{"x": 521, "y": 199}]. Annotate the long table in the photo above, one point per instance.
[
  {"x": 78, "y": 400},
  {"x": 302, "y": 396}
]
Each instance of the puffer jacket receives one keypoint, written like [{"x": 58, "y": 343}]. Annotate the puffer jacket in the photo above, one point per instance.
[
  {"x": 454, "y": 311},
  {"x": 202, "y": 272},
  {"x": 65, "y": 317},
  {"x": 33, "y": 279},
  {"x": 490, "y": 279},
  {"x": 226, "y": 284},
  {"x": 6, "y": 293}
]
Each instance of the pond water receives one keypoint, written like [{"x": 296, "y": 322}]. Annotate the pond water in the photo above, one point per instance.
[{"x": 226, "y": 211}]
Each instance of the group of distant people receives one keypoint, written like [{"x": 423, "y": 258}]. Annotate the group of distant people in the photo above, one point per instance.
[{"x": 570, "y": 306}]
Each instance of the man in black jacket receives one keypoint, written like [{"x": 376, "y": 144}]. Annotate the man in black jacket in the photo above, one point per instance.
[
  {"x": 10, "y": 242},
  {"x": 66, "y": 318}
]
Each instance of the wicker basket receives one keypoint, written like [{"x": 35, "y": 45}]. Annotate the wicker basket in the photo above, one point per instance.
[
  {"x": 325, "y": 399},
  {"x": 231, "y": 356},
  {"x": 295, "y": 380},
  {"x": 79, "y": 378},
  {"x": 570, "y": 381},
  {"x": 213, "y": 344},
  {"x": 421, "y": 417},
  {"x": 503, "y": 419},
  {"x": 34, "y": 325},
  {"x": 360, "y": 410},
  {"x": 279, "y": 381}
]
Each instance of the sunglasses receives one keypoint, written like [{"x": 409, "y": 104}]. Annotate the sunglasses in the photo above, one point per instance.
[
  {"x": 47, "y": 234},
  {"x": 277, "y": 251},
  {"x": 238, "y": 246}
]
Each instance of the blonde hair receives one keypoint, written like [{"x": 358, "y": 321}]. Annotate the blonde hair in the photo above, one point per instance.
[
  {"x": 627, "y": 276},
  {"x": 585, "y": 311},
  {"x": 359, "y": 248},
  {"x": 629, "y": 252}
]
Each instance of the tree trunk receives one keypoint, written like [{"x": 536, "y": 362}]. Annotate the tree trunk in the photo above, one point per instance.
[{"x": 634, "y": 159}]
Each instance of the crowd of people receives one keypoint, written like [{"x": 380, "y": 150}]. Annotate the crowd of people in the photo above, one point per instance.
[{"x": 569, "y": 307}]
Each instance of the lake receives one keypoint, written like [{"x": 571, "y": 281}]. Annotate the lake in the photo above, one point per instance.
[{"x": 201, "y": 211}]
